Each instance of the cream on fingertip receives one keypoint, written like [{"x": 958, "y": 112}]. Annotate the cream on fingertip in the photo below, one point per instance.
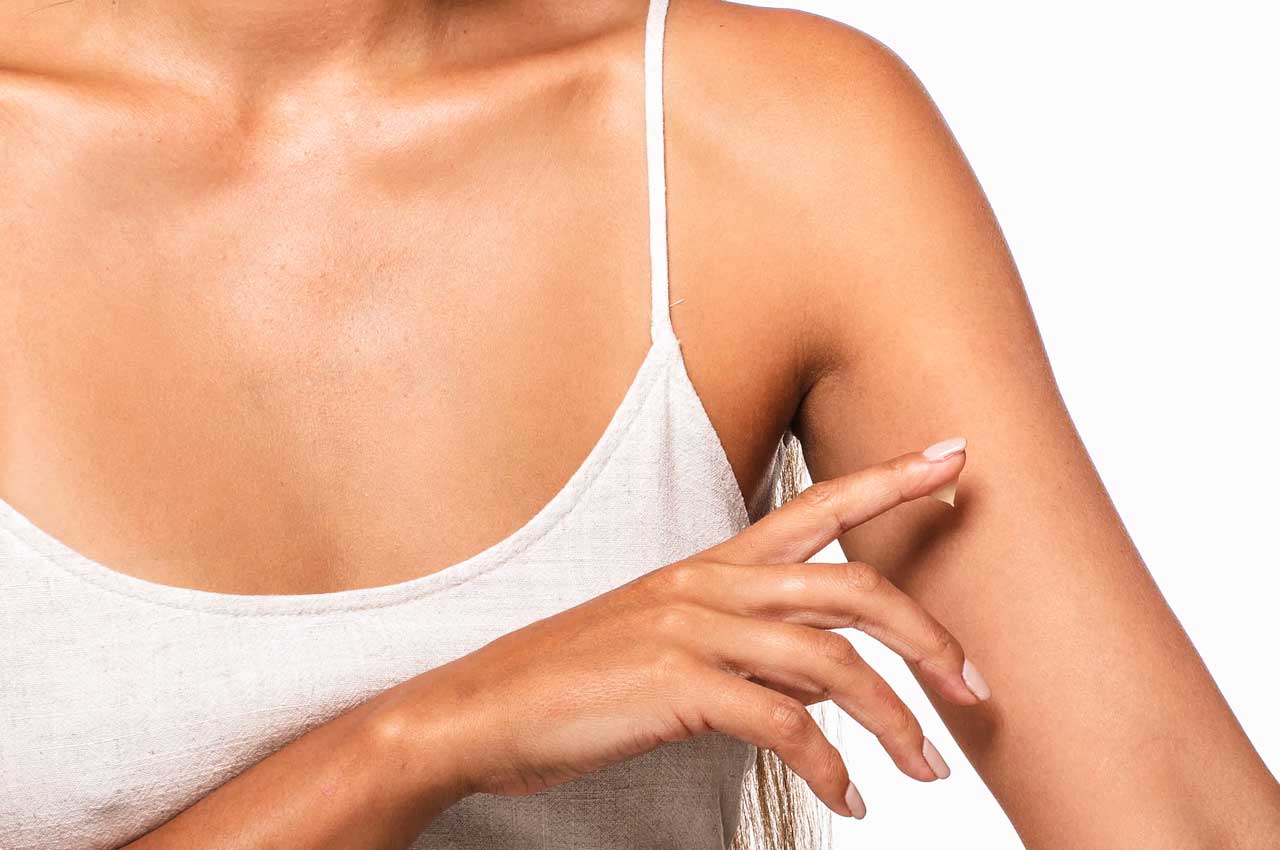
[
  {"x": 940, "y": 451},
  {"x": 946, "y": 493}
]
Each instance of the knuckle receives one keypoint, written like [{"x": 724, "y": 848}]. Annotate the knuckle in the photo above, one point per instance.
[
  {"x": 938, "y": 649},
  {"x": 946, "y": 648},
  {"x": 821, "y": 495},
  {"x": 682, "y": 576},
  {"x": 789, "y": 717},
  {"x": 674, "y": 618},
  {"x": 898, "y": 721},
  {"x": 836, "y": 649},
  {"x": 860, "y": 577},
  {"x": 669, "y": 664},
  {"x": 903, "y": 473},
  {"x": 833, "y": 766}
]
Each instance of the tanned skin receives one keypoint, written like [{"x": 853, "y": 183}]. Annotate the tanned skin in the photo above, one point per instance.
[{"x": 273, "y": 273}]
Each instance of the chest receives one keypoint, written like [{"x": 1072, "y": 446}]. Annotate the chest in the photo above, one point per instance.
[{"x": 258, "y": 369}]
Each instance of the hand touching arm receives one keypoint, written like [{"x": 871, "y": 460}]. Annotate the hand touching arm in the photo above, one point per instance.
[
  {"x": 1105, "y": 730},
  {"x": 734, "y": 639}
]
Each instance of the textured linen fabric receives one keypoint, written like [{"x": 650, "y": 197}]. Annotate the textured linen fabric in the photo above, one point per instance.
[{"x": 123, "y": 701}]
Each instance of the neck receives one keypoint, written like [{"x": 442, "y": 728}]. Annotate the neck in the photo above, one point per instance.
[{"x": 262, "y": 40}]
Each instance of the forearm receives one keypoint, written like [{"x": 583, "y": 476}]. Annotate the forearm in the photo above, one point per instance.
[{"x": 351, "y": 783}]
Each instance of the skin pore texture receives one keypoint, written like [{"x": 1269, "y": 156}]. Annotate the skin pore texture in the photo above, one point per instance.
[{"x": 280, "y": 281}]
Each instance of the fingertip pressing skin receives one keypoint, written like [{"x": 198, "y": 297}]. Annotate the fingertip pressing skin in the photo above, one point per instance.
[{"x": 946, "y": 493}]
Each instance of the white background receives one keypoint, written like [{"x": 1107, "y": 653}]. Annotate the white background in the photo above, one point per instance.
[{"x": 1130, "y": 152}]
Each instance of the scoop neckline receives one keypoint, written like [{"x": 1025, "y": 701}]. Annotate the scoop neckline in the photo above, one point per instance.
[{"x": 66, "y": 558}]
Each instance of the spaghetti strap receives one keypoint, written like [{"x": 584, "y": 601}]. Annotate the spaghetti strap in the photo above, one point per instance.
[{"x": 655, "y": 149}]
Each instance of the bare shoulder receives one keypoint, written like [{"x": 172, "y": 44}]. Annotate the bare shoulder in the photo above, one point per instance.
[
  {"x": 802, "y": 133},
  {"x": 806, "y": 58}
]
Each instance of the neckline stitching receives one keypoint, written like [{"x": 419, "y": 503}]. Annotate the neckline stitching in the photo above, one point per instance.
[{"x": 569, "y": 497}]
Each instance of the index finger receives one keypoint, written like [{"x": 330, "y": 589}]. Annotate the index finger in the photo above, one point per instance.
[{"x": 803, "y": 526}]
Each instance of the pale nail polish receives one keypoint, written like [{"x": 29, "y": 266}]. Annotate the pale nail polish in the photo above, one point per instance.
[
  {"x": 854, "y": 799},
  {"x": 974, "y": 680},
  {"x": 935, "y": 759},
  {"x": 944, "y": 449}
]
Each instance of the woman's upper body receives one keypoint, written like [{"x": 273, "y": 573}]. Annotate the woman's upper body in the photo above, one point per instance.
[
  {"x": 280, "y": 285},
  {"x": 134, "y": 697}
]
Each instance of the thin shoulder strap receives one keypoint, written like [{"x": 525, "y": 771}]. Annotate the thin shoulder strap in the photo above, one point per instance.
[{"x": 655, "y": 149}]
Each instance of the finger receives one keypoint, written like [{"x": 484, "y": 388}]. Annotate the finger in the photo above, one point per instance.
[
  {"x": 805, "y": 657},
  {"x": 806, "y": 524},
  {"x": 774, "y": 721},
  {"x": 837, "y": 595},
  {"x": 807, "y": 694}
]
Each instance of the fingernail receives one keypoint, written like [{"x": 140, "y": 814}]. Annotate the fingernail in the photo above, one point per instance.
[
  {"x": 935, "y": 759},
  {"x": 974, "y": 680},
  {"x": 854, "y": 801},
  {"x": 946, "y": 493},
  {"x": 944, "y": 449}
]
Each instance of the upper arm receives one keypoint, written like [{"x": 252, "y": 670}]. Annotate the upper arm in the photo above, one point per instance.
[{"x": 925, "y": 332}]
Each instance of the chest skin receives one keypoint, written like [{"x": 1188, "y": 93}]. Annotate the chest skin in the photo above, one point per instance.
[{"x": 327, "y": 342}]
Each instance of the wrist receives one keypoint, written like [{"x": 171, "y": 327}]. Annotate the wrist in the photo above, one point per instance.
[{"x": 418, "y": 750}]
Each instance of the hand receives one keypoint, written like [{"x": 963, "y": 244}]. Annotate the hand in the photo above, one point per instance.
[{"x": 735, "y": 638}]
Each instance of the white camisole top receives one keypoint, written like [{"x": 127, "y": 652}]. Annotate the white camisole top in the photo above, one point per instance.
[{"x": 124, "y": 701}]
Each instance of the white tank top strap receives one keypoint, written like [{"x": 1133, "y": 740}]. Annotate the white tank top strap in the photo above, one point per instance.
[{"x": 655, "y": 150}]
